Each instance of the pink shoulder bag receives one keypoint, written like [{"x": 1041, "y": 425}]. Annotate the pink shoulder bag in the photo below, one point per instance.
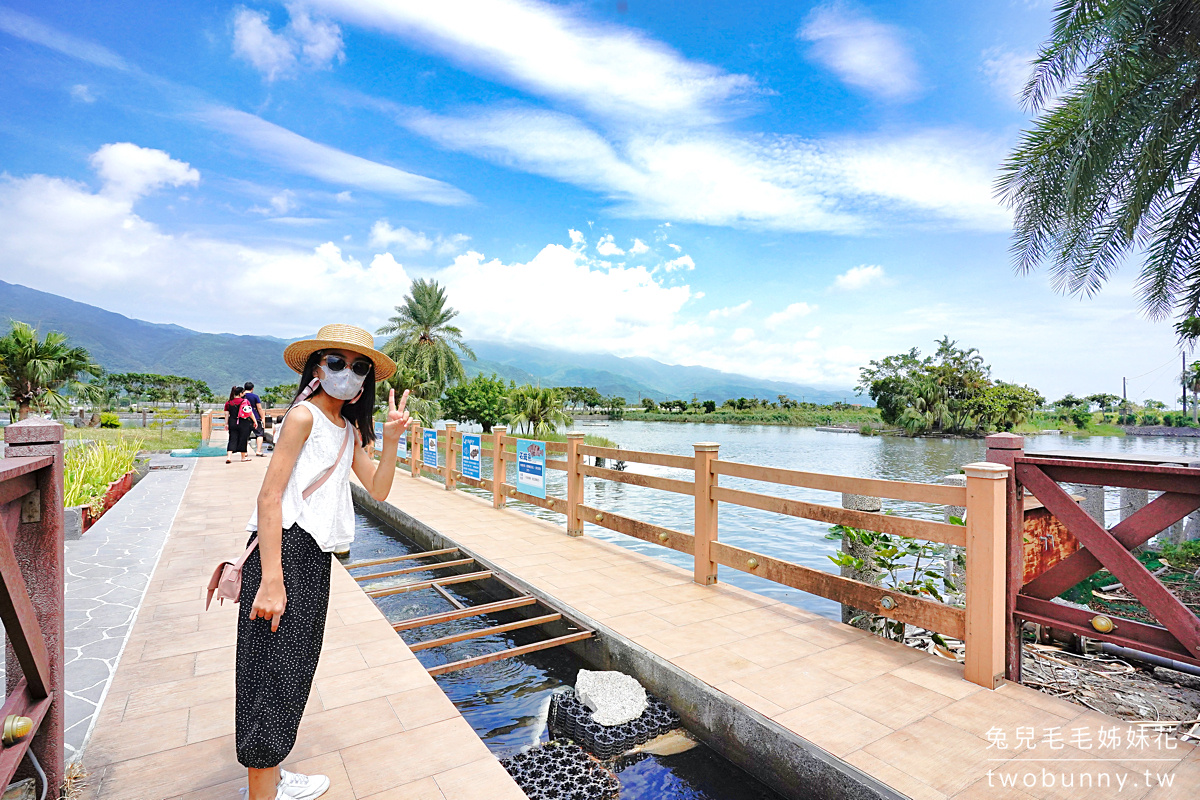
[{"x": 226, "y": 581}]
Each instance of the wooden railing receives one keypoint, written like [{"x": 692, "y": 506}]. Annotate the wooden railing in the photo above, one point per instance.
[
  {"x": 980, "y": 625},
  {"x": 31, "y": 600}
]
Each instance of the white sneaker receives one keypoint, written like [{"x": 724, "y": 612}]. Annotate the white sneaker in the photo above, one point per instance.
[{"x": 294, "y": 786}]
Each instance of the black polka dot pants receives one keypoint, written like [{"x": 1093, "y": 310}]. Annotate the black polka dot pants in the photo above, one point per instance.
[{"x": 275, "y": 669}]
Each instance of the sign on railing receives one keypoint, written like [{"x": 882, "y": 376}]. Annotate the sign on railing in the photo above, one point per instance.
[
  {"x": 472, "y": 455},
  {"x": 531, "y": 467},
  {"x": 429, "y": 448}
]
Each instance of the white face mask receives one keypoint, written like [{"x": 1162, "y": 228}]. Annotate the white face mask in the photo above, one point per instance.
[{"x": 344, "y": 385}]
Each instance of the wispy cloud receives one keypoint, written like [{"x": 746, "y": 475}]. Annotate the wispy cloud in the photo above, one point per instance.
[
  {"x": 862, "y": 51},
  {"x": 25, "y": 27},
  {"x": 729, "y": 312},
  {"x": 314, "y": 42},
  {"x": 82, "y": 93},
  {"x": 385, "y": 236},
  {"x": 555, "y": 51},
  {"x": 793, "y": 312},
  {"x": 1007, "y": 71},
  {"x": 607, "y": 247},
  {"x": 130, "y": 171},
  {"x": 292, "y": 151}
]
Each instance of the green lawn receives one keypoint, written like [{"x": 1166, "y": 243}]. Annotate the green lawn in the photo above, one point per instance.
[{"x": 151, "y": 439}]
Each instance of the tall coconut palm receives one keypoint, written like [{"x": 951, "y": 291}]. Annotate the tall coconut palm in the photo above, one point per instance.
[
  {"x": 423, "y": 340},
  {"x": 35, "y": 371},
  {"x": 1109, "y": 166},
  {"x": 536, "y": 410},
  {"x": 423, "y": 394}
]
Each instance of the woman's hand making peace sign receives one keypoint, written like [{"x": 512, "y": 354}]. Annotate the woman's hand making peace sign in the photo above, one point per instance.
[{"x": 397, "y": 417}]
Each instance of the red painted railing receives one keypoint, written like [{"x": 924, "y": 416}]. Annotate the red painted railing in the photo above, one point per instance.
[{"x": 31, "y": 598}]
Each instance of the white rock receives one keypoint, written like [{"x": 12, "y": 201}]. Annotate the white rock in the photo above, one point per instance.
[{"x": 614, "y": 697}]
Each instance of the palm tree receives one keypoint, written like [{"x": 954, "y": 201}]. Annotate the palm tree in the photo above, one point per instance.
[
  {"x": 423, "y": 340},
  {"x": 423, "y": 394},
  {"x": 1109, "y": 167},
  {"x": 35, "y": 371},
  {"x": 536, "y": 410},
  {"x": 1191, "y": 379}
]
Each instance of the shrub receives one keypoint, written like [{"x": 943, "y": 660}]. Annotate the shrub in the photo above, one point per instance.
[
  {"x": 866, "y": 430},
  {"x": 109, "y": 420},
  {"x": 1151, "y": 418},
  {"x": 710, "y": 406}
]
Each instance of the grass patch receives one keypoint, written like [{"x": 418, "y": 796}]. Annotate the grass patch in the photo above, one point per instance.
[{"x": 151, "y": 439}]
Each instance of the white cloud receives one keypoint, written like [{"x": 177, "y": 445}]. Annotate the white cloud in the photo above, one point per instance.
[
  {"x": 129, "y": 171},
  {"x": 863, "y": 52},
  {"x": 278, "y": 55},
  {"x": 743, "y": 334},
  {"x": 25, "y": 27},
  {"x": 860, "y": 277},
  {"x": 554, "y": 51},
  {"x": 385, "y": 236},
  {"x": 729, "y": 312},
  {"x": 60, "y": 237},
  {"x": 815, "y": 333},
  {"x": 82, "y": 93},
  {"x": 675, "y": 247},
  {"x": 639, "y": 247},
  {"x": 683, "y": 262},
  {"x": 293, "y": 151},
  {"x": 577, "y": 239},
  {"x": 607, "y": 247},
  {"x": 344, "y": 197},
  {"x": 1007, "y": 71},
  {"x": 792, "y": 312}
]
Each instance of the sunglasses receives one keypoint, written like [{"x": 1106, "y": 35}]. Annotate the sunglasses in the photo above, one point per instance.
[{"x": 335, "y": 363}]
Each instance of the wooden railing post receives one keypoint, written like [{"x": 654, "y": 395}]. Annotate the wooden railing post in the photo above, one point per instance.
[
  {"x": 987, "y": 536},
  {"x": 414, "y": 449},
  {"x": 38, "y": 546},
  {"x": 449, "y": 470},
  {"x": 205, "y": 427},
  {"x": 1006, "y": 448},
  {"x": 705, "y": 572},
  {"x": 498, "y": 468},
  {"x": 574, "y": 484}
]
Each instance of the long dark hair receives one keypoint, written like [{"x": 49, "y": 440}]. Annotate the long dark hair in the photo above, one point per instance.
[
  {"x": 235, "y": 391},
  {"x": 360, "y": 413}
]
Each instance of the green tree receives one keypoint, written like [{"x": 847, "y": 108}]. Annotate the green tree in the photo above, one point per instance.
[
  {"x": 1108, "y": 168},
  {"x": 889, "y": 381},
  {"x": 614, "y": 406},
  {"x": 37, "y": 371},
  {"x": 423, "y": 394},
  {"x": 1191, "y": 379},
  {"x": 536, "y": 410},
  {"x": 422, "y": 339},
  {"x": 1005, "y": 405},
  {"x": 482, "y": 399},
  {"x": 649, "y": 404},
  {"x": 1104, "y": 402}
]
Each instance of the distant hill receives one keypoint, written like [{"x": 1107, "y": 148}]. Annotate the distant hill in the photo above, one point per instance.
[{"x": 122, "y": 344}]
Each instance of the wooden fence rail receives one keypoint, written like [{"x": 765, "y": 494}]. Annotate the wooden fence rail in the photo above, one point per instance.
[{"x": 980, "y": 625}]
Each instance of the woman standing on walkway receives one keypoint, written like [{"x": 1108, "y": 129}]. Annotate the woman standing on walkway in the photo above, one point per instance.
[
  {"x": 239, "y": 422},
  {"x": 304, "y": 512}
]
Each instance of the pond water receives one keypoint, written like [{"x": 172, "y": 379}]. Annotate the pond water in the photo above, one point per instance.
[
  {"x": 798, "y": 540},
  {"x": 505, "y": 702}
]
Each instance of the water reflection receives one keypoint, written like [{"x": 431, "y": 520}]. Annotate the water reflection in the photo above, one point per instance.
[{"x": 801, "y": 541}]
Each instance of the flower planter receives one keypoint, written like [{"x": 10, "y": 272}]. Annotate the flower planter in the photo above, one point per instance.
[{"x": 116, "y": 490}]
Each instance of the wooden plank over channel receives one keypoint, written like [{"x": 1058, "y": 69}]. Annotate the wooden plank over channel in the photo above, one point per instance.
[
  {"x": 458, "y": 562},
  {"x": 636, "y": 479},
  {"x": 926, "y": 614},
  {"x": 866, "y": 520},
  {"x": 475, "y": 633},
  {"x": 454, "y": 666},
  {"x": 463, "y": 613},
  {"x": 377, "y": 561},
  {"x": 639, "y": 456},
  {"x": 871, "y": 487},
  {"x": 647, "y": 532}
]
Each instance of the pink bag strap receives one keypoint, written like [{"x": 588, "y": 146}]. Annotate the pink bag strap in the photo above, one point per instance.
[
  {"x": 242, "y": 559},
  {"x": 319, "y": 482}
]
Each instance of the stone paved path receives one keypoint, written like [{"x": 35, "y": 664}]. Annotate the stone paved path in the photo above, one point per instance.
[{"x": 108, "y": 571}]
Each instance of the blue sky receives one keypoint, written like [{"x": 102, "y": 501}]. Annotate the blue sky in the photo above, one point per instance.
[{"x": 780, "y": 189}]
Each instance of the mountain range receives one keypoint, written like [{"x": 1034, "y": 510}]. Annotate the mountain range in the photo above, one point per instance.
[{"x": 121, "y": 344}]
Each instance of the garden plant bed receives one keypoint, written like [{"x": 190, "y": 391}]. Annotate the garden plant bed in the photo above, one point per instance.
[{"x": 116, "y": 490}]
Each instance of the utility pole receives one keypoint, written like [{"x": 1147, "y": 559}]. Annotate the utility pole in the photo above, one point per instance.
[{"x": 1183, "y": 380}]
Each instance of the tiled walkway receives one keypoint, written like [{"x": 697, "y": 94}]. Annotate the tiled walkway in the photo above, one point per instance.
[
  {"x": 903, "y": 716},
  {"x": 376, "y": 723}
]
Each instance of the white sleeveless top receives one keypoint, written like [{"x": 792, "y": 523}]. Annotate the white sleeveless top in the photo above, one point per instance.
[{"x": 328, "y": 513}]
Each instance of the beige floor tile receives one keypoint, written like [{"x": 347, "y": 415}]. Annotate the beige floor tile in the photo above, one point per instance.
[
  {"x": 638, "y": 623},
  {"x": 900, "y": 781},
  {"x": 937, "y": 754},
  {"x": 793, "y": 684},
  {"x": 891, "y": 701},
  {"x": 938, "y": 675},
  {"x": 423, "y": 789},
  {"x": 339, "y": 661},
  {"x": 827, "y": 634},
  {"x": 328, "y": 731},
  {"x": 178, "y": 694},
  {"x": 220, "y": 659},
  {"x": 755, "y": 621},
  {"x": 422, "y": 706},
  {"x": 484, "y": 779},
  {"x": 717, "y": 665},
  {"x": 751, "y": 699},
  {"x": 833, "y": 727},
  {"x": 135, "y": 674},
  {"x": 773, "y": 649},
  {"x": 152, "y": 733},
  {"x": 692, "y": 638},
  {"x": 210, "y": 720},
  {"x": 405, "y": 757},
  {"x": 170, "y": 772},
  {"x": 983, "y": 711},
  {"x": 330, "y": 765}
]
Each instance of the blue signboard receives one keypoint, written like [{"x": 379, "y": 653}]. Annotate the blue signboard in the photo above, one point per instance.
[
  {"x": 401, "y": 447},
  {"x": 429, "y": 452},
  {"x": 472, "y": 454},
  {"x": 531, "y": 467}
]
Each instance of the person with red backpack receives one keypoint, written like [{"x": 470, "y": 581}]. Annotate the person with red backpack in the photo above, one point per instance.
[{"x": 239, "y": 421}]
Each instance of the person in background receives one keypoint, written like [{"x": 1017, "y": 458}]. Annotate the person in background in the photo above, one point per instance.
[
  {"x": 259, "y": 414},
  {"x": 239, "y": 421}
]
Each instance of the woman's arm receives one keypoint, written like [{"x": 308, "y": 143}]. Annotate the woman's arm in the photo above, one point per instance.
[
  {"x": 378, "y": 478},
  {"x": 271, "y": 599}
]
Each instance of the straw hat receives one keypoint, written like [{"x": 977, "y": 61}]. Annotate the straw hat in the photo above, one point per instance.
[{"x": 339, "y": 337}]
